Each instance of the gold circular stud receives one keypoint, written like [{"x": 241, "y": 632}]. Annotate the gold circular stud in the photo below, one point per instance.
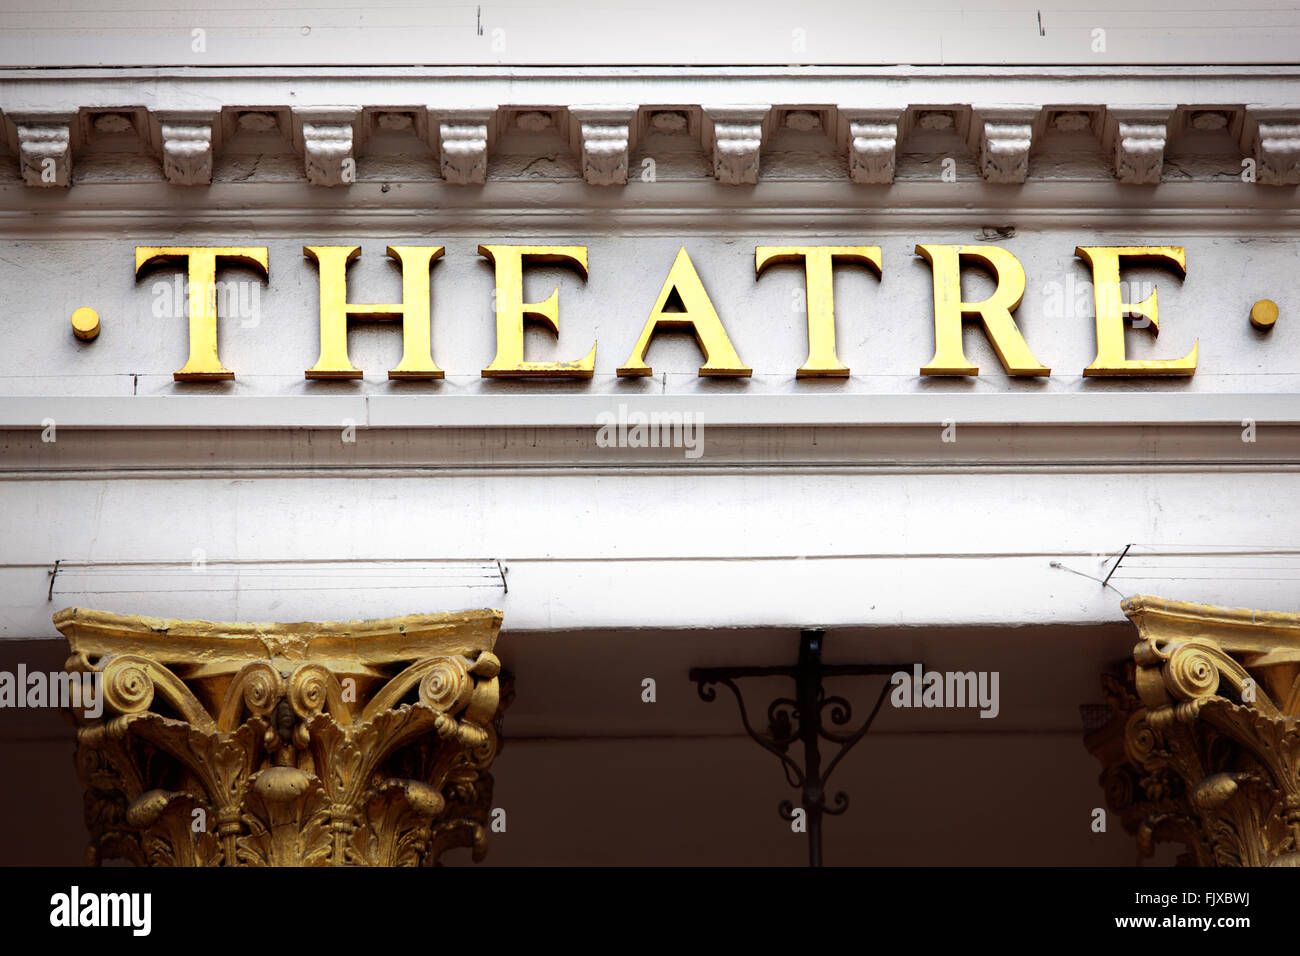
[
  {"x": 85, "y": 323},
  {"x": 1263, "y": 314}
]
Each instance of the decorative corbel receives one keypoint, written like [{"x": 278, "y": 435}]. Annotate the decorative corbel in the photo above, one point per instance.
[
  {"x": 603, "y": 137},
  {"x": 44, "y": 147},
  {"x": 871, "y": 138},
  {"x": 327, "y": 135},
  {"x": 734, "y": 134},
  {"x": 1001, "y": 137},
  {"x": 1135, "y": 137},
  {"x": 1272, "y": 136},
  {"x": 186, "y": 140},
  {"x": 462, "y": 138}
]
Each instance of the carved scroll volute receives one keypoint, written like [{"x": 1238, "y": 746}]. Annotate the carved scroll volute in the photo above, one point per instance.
[
  {"x": 299, "y": 744},
  {"x": 1215, "y": 744},
  {"x": 1171, "y": 672},
  {"x": 256, "y": 689}
]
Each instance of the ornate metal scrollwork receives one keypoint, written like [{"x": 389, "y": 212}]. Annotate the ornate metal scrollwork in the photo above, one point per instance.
[{"x": 801, "y": 720}]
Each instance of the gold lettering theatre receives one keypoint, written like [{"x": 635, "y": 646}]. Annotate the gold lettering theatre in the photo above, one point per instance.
[
  {"x": 517, "y": 436},
  {"x": 698, "y": 315}
]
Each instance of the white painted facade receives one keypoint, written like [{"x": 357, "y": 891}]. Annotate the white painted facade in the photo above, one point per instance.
[{"x": 836, "y": 503}]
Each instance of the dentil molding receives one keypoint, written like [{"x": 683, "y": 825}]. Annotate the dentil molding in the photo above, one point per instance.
[{"x": 863, "y": 118}]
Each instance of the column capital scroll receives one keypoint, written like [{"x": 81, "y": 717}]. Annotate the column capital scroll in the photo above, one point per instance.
[{"x": 362, "y": 743}]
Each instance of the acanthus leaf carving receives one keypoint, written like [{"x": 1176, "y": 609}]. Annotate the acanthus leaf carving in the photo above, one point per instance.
[
  {"x": 44, "y": 142},
  {"x": 1210, "y": 732},
  {"x": 603, "y": 138},
  {"x": 259, "y": 757},
  {"x": 1273, "y": 138},
  {"x": 328, "y": 139},
  {"x": 734, "y": 135},
  {"x": 871, "y": 139},
  {"x": 186, "y": 140},
  {"x": 1002, "y": 137},
  {"x": 1135, "y": 137},
  {"x": 462, "y": 138}
]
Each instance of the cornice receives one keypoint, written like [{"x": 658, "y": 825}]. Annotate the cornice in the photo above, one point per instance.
[
  {"x": 1117, "y": 71},
  {"x": 552, "y": 209},
  {"x": 428, "y": 410},
  {"x": 611, "y": 128},
  {"x": 297, "y": 452}
]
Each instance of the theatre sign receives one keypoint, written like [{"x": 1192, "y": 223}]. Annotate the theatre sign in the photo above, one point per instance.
[
  {"x": 323, "y": 400},
  {"x": 929, "y": 310},
  {"x": 694, "y": 311}
]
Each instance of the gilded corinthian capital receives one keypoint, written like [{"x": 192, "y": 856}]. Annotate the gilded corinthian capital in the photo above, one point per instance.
[
  {"x": 363, "y": 743},
  {"x": 1211, "y": 742}
]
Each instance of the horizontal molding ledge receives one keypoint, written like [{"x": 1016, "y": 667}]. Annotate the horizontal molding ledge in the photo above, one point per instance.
[
  {"x": 501, "y": 209},
  {"x": 770, "y": 451},
  {"x": 630, "y": 76},
  {"x": 570, "y": 411}
]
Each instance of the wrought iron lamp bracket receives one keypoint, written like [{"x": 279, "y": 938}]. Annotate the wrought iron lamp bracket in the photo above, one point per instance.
[{"x": 809, "y": 717}]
